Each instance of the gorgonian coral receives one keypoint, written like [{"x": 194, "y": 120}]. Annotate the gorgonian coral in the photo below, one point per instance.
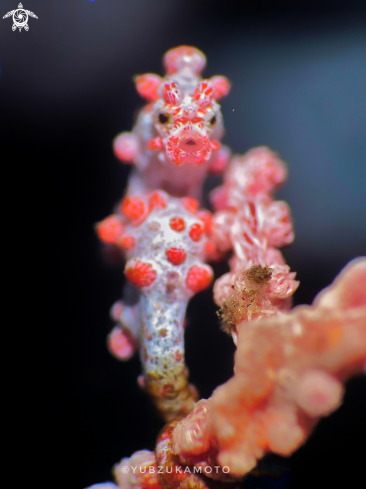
[
  {"x": 289, "y": 365},
  {"x": 289, "y": 370}
]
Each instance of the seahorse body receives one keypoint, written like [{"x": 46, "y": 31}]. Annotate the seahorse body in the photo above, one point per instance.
[{"x": 166, "y": 243}]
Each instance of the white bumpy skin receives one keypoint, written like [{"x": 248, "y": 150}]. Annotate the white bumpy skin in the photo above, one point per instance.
[{"x": 165, "y": 243}]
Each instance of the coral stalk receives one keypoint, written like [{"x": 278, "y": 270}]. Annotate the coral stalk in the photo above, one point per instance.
[
  {"x": 289, "y": 365},
  {"x": 289, "y": 371}
]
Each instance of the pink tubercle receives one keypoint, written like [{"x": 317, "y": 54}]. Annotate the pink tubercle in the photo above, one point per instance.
[
  {"x": 133, "y": 208},
  {"x": 127, "y": 242},
  {"x": 191, "y": 204},
  {"x": 147, "y": 86},
  {"x": 184, "y": 56},
  {"x": 116, "y": 310},
  {"x": 120, "y": 344},
  {"x": 125, "y": 147},
  {"x": 110, "y": 229},
  {"x": 155, "y": 144}
]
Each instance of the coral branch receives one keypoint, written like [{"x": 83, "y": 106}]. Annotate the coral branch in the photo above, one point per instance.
[
  {"x": 252, "y": 225},
  {"x": 289, "y": 366},
  {"x": 289, "y": 371}
]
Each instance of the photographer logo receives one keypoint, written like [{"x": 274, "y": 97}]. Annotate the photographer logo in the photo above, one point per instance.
[{"x": 20, "y": 18}]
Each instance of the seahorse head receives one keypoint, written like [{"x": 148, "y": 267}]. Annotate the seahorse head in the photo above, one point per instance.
[{"x": 185, "y": 114}]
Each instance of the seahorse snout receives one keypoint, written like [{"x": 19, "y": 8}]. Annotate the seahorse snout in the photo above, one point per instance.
[{"x": 188, "y": 147}]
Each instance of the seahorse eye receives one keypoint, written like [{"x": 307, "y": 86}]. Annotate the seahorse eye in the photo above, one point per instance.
[
  {"x": 213, "y": 120},
  {"x": 163, "y": 118}
]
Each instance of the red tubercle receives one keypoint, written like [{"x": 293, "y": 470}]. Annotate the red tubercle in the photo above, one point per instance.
[
  {"x": 176, "y": 256},
  {"x": 195, "y": 232},
  {"x": 127, "y": 242},
  {"x": 206, "y": 217},
  {"x": 157, "y": 201},
  {"x": 209, "y": 248},
  {"x": 147, "y": 86},
  {"x": 221, "y": 86},
  {"x": 110, "y": 229},
  {"x": 215, "y": 145},
  {"x": 141, "y": 382},
  {"x": 212, "y": 253},
  {"x": 178, "y": 356},
  {"x": 190, "y": 203},
  {"x": 177, "y": 224},
  {"x": 198, "y": 278},
  {"x": 167, "y": 390},
  {"x": 133, "y": 208},
  {"x": 155, "y": 144},
  {"x": 139, "y": 273}
]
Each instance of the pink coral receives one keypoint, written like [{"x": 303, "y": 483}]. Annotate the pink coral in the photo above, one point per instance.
[
  {"x": 289, "y": 366},
  {"x": 289, "y": 371},
  {"x": 258, "y": 172},
  {"x": 251, "y": 224},
  {"x": 138, "y": 472}
]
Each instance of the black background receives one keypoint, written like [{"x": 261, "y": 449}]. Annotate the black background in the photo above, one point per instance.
[{"x": 299, "y": 76}]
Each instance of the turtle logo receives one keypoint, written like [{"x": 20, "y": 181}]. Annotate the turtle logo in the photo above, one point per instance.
[{"x": 20, "y": 17}]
